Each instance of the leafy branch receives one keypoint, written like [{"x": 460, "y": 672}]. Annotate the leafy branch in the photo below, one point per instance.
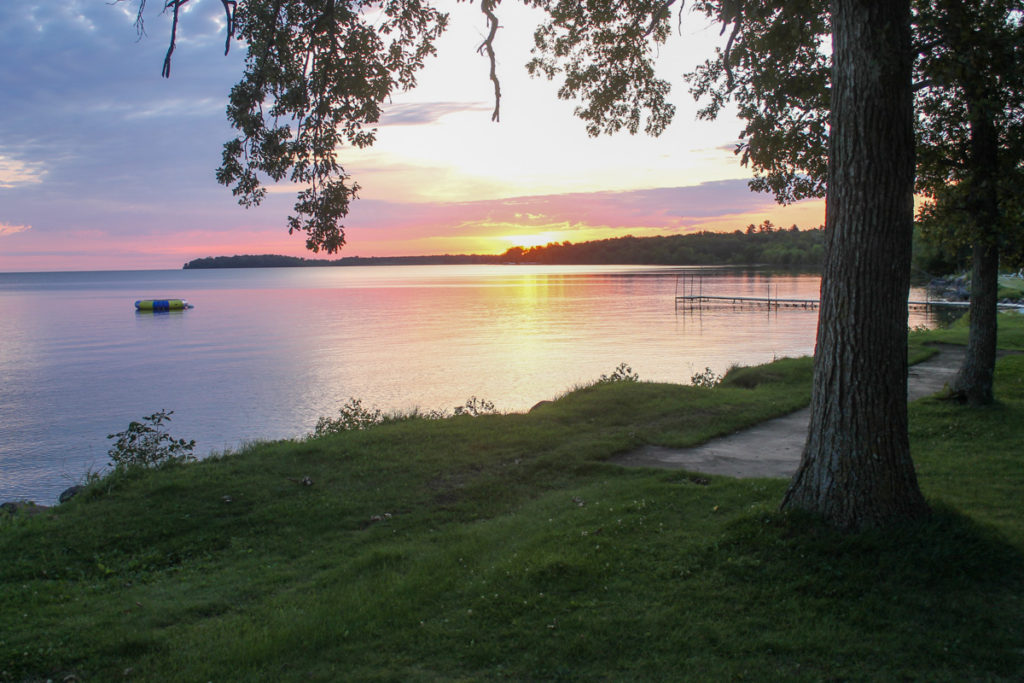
[{"x": 148, "y": 444}]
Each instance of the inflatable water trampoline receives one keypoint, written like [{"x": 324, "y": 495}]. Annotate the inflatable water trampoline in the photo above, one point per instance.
[{"x": 161, "y": 305}]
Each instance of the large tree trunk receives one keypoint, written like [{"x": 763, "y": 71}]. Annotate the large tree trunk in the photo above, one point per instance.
[{"x": 856, "y": 469}]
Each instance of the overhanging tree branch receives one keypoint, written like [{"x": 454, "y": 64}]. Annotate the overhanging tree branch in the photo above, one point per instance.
[
  {"x": 175, "y": 6},
  {"x": 487, "y": 47}
]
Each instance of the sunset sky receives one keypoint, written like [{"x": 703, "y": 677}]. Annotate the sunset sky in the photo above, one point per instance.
[{"x": 106, "y": 165}]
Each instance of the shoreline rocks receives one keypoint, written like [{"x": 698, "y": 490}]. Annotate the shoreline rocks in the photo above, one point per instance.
[
  {"x": 30, "y": 507},
  {"x": 949, "y": 289},
  {"x": 26, "y": 507}
]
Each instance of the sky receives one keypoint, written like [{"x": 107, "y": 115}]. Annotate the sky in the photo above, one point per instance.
[{"x": 104, "y": 165}]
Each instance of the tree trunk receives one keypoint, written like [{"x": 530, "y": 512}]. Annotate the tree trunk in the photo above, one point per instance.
[
  {"x": 856, "y": 470},
  {"x": 973, "y": 382}
]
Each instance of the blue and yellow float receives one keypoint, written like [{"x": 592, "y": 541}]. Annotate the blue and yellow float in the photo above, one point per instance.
[{"x": 147, "y": 305}]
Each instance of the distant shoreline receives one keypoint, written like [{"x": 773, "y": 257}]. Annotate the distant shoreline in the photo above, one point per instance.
[
  {"x": 280, "y": 261},
  {"x": 762, "y": 245}
]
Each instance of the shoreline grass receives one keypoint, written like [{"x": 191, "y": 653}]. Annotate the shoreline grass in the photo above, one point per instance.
[{"x": 503, "y": 546}]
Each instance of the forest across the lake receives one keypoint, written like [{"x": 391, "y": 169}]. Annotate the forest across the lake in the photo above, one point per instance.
[{"x": 763, "y": 244}]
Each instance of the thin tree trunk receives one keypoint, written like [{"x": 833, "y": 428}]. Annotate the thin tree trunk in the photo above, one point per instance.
[
  {"x": 856, "y": 469},
  {"x": 973, "y": 382}
]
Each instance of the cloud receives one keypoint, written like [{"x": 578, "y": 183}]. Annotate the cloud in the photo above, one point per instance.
[
  {"x": 174, "y": 107},
  {"x": 669, "y": 209},
  {"x": 6, "y": 230},
  {"x": 422, "y": 113},
  {"x": 88, "y": 89},
  {"x": 14, "y": 172}
]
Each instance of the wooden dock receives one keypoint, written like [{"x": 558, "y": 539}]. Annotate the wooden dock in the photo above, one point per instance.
[
  {"x": 702, "y": 300},
  {"x": 692, "y": 297},
  {"x": 768, "y": 302}
]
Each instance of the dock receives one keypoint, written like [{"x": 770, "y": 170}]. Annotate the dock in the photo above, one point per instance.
[
  {"x": 770, "y": 302},
  {"x": 692, "y": 297},
  {"x": 702, "y": 300}
]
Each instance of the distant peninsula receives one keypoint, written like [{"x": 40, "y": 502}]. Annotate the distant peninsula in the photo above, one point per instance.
[
  {"x": 757, "y": 245},
  {"x": 278, "y": 261}
]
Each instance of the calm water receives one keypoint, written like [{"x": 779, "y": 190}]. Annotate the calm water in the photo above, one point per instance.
[{"x": 266, "y": 351}]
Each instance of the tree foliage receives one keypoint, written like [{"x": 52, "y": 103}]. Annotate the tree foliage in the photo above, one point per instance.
[
  {"x": 758, "y": 245},
  {"x": 968, "y": 99},
  {"x": 775, "y": 68},
  {"x": 762, "y": 244},
  {"x": 316, "y": 75},
  {"x": 604, "y": 53},
  {"x": 970, "y": 106}
]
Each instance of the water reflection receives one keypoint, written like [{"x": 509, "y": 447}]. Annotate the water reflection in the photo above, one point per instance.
[{"x": 267, "y": 351}]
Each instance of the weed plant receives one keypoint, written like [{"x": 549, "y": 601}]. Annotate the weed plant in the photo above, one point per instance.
[
  {"x": 707, "y": 379},
  {"x": 622, "y": 373},
  {"x": 147, "y": 443},
  {"x": 354, "y": 416}
]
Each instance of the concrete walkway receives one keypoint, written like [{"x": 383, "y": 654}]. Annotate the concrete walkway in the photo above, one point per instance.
[{"x": 772, "y": 448}]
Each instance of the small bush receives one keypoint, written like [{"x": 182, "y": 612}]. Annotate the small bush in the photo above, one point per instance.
[
  {"x": 708, "y": 379},
  {"x": 623, "y": 373},
  {"x": 476, "y": 406},
  {"x": 147, "y": 444},
  {"x": 351, "y": 417}
]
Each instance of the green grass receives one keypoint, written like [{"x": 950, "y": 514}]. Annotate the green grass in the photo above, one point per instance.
[
  {"x": 1011, "y": 333},
  {"x": 505, "y": 547},
  {"x": 1010, "y": 288}
]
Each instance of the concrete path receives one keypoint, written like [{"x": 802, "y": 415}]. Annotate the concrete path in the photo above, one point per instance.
[{"x": 773, "y": 448}]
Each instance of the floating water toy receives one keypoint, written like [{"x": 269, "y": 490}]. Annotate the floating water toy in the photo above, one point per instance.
[{"x": 162, "y": 305}]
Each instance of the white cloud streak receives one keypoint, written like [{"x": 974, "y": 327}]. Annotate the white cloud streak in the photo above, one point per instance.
[{"x": 6, "y": 230}]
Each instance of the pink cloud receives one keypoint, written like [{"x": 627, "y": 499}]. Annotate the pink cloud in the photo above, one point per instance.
[
  {"x": 389, "y": 228},
  {"x": 6, "y": 229},
  {"x": 141, "y": 239}
]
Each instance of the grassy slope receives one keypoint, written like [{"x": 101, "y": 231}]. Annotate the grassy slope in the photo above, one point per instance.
[
  {"x": 1011, "y": 287},
  {"x": 502, "y": 546}
]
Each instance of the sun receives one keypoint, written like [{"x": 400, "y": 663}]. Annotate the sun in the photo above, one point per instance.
[{"x": 535, "y": 240}]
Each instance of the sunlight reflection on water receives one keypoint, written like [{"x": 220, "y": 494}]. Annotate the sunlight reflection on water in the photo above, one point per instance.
[{"x": 267, "y": 351}]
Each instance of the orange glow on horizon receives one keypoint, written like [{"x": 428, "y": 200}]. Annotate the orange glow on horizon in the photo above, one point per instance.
[
  {"x": 498, "y": 237},
  {"x": 537, "y": 239},
  {"x": 449, "y": 231}
]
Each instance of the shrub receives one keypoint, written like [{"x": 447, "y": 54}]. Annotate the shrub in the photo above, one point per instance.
[
  {"x": 476, "y": 406},
  {"x": 623, "y": 373},
  {"x": 147, "y": 444},
  {"x": 708, "y": 379},
  {"x": 351, "y": 417}
]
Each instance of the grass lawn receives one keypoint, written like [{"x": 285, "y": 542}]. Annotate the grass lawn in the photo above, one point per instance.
[
  {"x": 503, "y": 546},
  {"x": 1011, "y": 287}
]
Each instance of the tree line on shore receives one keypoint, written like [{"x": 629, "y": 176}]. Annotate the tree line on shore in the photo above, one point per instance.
[
  {"x": 763, "y": 244},
  {"x": 281, "y": 261}
]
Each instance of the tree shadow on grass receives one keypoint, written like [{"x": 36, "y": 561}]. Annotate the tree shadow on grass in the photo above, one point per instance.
[{"x": 938, "y": 599}]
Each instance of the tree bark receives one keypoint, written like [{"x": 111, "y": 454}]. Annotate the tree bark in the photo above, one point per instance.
[
  {"x": 856, "y": 469},
  {"x": 973, "y": 382}
]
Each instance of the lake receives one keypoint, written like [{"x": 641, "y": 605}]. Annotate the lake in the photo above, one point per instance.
[{"x": 265, "y": 352}]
